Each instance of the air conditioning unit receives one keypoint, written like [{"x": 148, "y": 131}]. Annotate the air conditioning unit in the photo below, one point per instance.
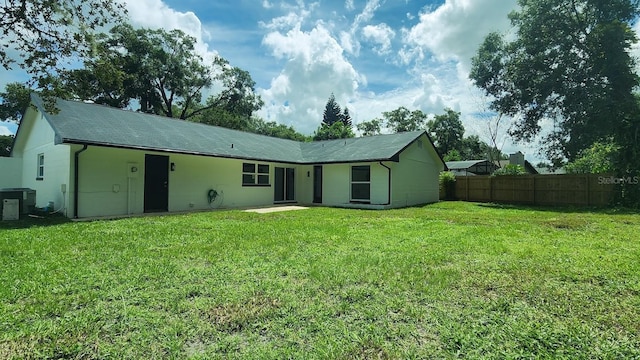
[
  {"x": 10, "y": 209},
  {"x": 26, "y": 198}
]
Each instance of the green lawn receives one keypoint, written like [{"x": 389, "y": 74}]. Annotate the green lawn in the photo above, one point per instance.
[{"x": 449, "y": 280}]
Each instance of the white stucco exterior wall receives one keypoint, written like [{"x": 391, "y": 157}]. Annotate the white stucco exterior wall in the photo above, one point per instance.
[
  {"x": 106, "y": 188},
  {"x": 10, "y": 172},
  {"x": 37, "y": 137},
  {"x": 415, "y": 177}
]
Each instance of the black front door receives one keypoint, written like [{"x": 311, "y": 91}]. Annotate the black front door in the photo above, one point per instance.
[
  {"x": 317, "y": 184},
  {"x": 156, "y": 183},
  {"x": 284, "y": 188}
]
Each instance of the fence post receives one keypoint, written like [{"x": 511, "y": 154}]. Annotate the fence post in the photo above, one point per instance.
[
  {"x": 467, "y": 188},
  {"x": 534, "y": 189},
  {"x": 588, "y": 195},
  {"x": 491, "y": 188}
]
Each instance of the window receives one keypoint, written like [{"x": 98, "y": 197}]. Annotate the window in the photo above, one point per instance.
[
  {"x": 255, "y": 174},
  {"x": 40, "y": 169},
  {"x": 361, "y": 183}
]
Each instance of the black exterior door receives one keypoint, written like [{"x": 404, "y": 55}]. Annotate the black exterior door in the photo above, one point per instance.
[
  {"x": 317, "y": 184},
  {"x": 284, "y": 187},
  {"x": 156, "y": 183}
]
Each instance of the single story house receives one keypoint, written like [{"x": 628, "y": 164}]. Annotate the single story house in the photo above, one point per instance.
[
  {"x": 518, "y": 159},
  {"x": 471, "y": 167},
  {"x": 91, "y": 160},
  {"x": 486, "y": 167}
]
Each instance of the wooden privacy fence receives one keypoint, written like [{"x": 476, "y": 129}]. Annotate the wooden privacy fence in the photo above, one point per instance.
[{"x": 569, "y": 189}]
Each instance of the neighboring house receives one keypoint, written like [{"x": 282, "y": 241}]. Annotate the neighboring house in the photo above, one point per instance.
[
  {"x": 472, "y": 167},
  {"x": 518, "y": 159},
  {"x": 93, "y": 160},
  {"x": 485, "y": 167}
]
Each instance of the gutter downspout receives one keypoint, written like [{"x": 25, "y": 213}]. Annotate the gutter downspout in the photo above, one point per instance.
[
  {"x": 76, "y": 175},
  {"x": 389, "y": 183}
]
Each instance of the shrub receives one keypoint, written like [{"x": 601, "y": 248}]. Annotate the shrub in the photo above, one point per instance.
[
  {"x": 511, "y": 169},
  {"x": 448, "y": 185}
]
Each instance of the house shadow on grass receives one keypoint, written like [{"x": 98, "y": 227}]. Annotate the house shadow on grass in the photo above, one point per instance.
[
  {"x": 31, "y": 221},
  {"x": 612, "y": 210}
]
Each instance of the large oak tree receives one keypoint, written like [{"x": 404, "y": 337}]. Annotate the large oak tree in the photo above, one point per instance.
[
  {"x": 567, "y": 64},
  {"x": 38, "y": 34}
]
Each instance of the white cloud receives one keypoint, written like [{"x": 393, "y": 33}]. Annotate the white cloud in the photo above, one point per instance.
[
  {"x": 4, "y": 128},
  {"x": 348, "y": 4},
  {"x": 315, "y": 67},
  {"x": 455, "y": 29},
  {"x": 266, "y": 4},
  {"x": 380, "y": 34},
  {"x": 285, "y": 22},
  {"x": 156, "y": 14}
]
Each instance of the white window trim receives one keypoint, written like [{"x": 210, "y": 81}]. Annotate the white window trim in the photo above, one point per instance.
[
  {"x": 40, "y": 167},
  {"x": 256, "y": 174},
  {"x": 359, "y": 182}
]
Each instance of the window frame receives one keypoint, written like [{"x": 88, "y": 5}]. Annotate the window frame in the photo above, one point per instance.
[
  {"x": 40, "y": 167},
  {"x": 257, "y": 172},
  {"x": 360, "y": 182}
]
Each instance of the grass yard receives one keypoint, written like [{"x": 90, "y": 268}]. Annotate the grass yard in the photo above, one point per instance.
[{"x": 449, "y": 280}]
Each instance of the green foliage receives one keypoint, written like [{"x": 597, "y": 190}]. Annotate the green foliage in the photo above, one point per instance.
[
  {"x": 45, "y": 33},
  {"x": 157, "y": 68},
  {"x": 447, "y": 131},
  {"x": 273, "y": 129},
  {"x": 445, "y": 281},
  {"x": 15, "y": 99},
  {"x": 336, "y": 131},
  {"x": 161, "y": 71},
  {"x": 346, "y": 118},
  {"x": 570, "y": 62},
  {"x": 404, "y": 120},
  {"x": 510, "y": 169},
  {"x": 238, "y": 96},
  {"x": 447, "y": 182},
  {"x": 332, "y": 112},
  {"x": 370, "y": 128},
  {"x": 597, "y": 159},
  {"x": 6, "y": 142},
  {"x": 452, "y": 155}
]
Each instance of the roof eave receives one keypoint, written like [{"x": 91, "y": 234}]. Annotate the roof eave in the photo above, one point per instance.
[{"x": 170, "y": 151}]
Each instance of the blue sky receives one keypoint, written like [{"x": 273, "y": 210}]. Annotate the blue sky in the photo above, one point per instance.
[{"x": 374, "y": 55}]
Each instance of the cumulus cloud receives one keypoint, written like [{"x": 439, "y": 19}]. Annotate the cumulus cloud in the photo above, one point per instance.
[
  {"x": 315, "y": 67},
  {"x": 156, "y": 14},
  {"x": 455, "y": 29},
  {"x": 380, "y": 34},
  {"x": 4, "y": 128}
]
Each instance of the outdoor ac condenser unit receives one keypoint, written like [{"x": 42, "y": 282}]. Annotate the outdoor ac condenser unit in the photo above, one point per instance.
[{"x": 10, "y": 209}]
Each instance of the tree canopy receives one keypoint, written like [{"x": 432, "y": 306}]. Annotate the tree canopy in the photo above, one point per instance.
[
  {"x": 15, "y": 99},
  {"x": 6, "y": 141},
  {"x": 158, "y": 69},
  {"x": 597, "y": 159},
  {"x": 336, "y": 131},
  {"x": 370, "y": 128},
  {"x": 569, "y": 63},
  {"x": 43, "y": 32},
  {"x": 336, "y": 123},
  {"x": 332, "y": 112},
  {"x": 404, "y": 120},
  {"x": 447, "y": 131}
]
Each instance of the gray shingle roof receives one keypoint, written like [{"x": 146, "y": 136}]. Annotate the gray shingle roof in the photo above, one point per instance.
[
  {"x": 462, "y": 165},
  {"x": 83, "y": 123}
]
